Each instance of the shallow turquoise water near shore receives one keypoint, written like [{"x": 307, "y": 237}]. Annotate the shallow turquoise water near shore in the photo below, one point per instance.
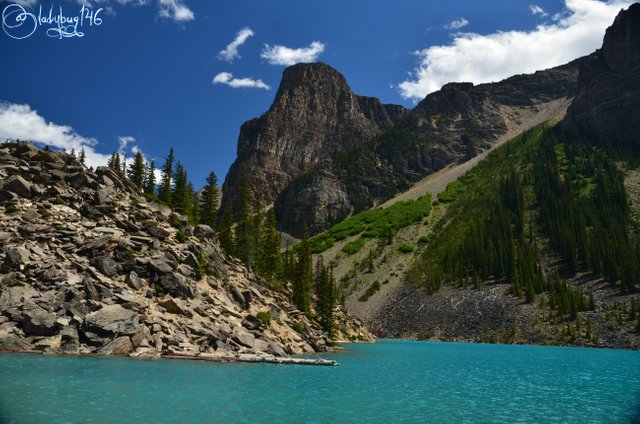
[{"x": 387, "y": 382}]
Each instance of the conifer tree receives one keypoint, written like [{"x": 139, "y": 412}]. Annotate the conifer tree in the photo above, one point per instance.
[
  {"x": 209, "y": 204},
  {"x": 269, "y": 263},
  {"x": 194, "y": 204},
  {"x": 244, "y": 235},
  {"x": 150, "y": 178},
  {"x": 114, "y": 162},
  {"x": 180, "y": 196},
  {"x": 82, "y": 157},
  {"x": 165, "y": 190},
  {"x": 225, "y": 231},
  {"x": 136, "y": 170}
]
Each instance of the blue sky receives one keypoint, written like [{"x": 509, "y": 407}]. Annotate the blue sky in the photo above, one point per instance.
[{"x": 143, "y": 79}]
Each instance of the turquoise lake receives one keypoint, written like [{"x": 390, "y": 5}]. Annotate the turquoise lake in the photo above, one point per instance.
[{"x": 387, "y": 382}]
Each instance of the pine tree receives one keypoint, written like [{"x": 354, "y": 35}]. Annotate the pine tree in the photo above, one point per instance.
[
  {"x": 82, "y": 157},
  {"x": 136, "y": 170},
  {"x": 150, "y": 178},
  {"x": 244, "y": 236},
  {"x": 269, "y": 262},
  {"x": 165, "y": 189},
  {"x": 225, "y": 231},
  {"x": 180, "y": 196},
  {"x": 209, "y": 204},
  {"x": 326, "y": 297},
  {"x": 114, "y": 162}
]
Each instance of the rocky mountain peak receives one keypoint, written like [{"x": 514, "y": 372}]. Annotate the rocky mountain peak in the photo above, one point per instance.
[
  {"x": 315, "y": 116},
  {"x": 607, "y": 101}
]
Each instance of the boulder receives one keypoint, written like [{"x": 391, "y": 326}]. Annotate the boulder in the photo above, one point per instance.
[
  {"x": 276, "y": 350},
  {"x": 18, "y": 185},
  {"x": 17, "y": 257},
  {"x": 120, "y": 346},
  {"x": 52, "y": 342},
  {"x": 105, "y": 265},
  {"x": 133, "y": 280},
  {"x": 13, "y": 343},
  {"x": 159, "y": 266},
  {"x": 245, "y": 339},
  {"x": 176, "y": 285},
  {"x": 175, "y": 306},
  {"x": 36, "y": 321},
  {"x": 113, "y": 319}
]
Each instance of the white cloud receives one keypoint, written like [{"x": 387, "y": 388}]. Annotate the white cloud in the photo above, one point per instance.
[
  {"x": 123, "y": 141},
  {"x": 281, "y": 55},
  {"x": 231, "y": 51},
  {"x": 21, "y": 122},
  {"x": 26, "y": 3},
  {"x": 457, "y": 23},
  {"x": 176, "y": 10},
  {"x": 228, "y": 79},
  {"x": 537, "y": 10},
  {"x": 484, "y": 58}
]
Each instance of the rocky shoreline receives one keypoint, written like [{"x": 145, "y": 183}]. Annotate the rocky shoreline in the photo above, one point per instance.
[{"x": 90, "y": 266}]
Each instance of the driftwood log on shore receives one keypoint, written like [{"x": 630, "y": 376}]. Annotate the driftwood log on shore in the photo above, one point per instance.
[{"x": 247, "y": 357}]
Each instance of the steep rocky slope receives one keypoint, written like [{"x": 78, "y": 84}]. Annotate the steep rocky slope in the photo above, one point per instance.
[
  {"x": 321, "y": 152},
  {"x": 89, "y": 265}
]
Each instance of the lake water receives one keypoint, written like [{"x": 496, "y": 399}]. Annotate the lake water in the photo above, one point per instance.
[{"x": 387, "y": 382}]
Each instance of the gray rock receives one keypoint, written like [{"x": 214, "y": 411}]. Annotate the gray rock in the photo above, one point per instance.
[
  {"x": 104, "y": 196},
  {"x": 13, "y": 343},
  {"x": 105, "y": 265},
  {"x": 5, "y": 237},
  {"x": 52, "y": 342},
  {"x": 276, "y": 350},
  {"x": 157, "y": 232},
  {"x": 251, "y": 322},
  {"x": 245, "y": 339},
  {"x": 18, "y": 185},
  {"x": 175, "y": 306},
  {"x": 7, "y": 196},
  {"x": 120, "y": 346},
  {"x": 36, "y": 321},
  {"x": 113, "y": 319},
  {"x": 133, "y": 280},
  {"x": 159, "y": 266},
  {"x": 90, "y": 289},
  {"x": 176, "y": 285},
  {"x": 17, "y": 257}
]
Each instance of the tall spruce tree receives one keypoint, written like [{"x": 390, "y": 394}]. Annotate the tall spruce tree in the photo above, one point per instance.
[
  {"x": 225, "y": 231},
  {"x": 209, "y": 204},
  {"x": 114, "y": 162},
  {"x": 244, "y": 235},
  {"x": 165, "y": 190},
  {"x": 82, "y": 158},
  {"x": 150, "y": 178},
  {"x": 135, "y": 172},
  {"x": 269, "y": 263},
  {"x": 180, "y": 196}
]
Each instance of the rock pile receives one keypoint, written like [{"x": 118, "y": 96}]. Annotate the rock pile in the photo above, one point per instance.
[{"x": 89, "y": 265}]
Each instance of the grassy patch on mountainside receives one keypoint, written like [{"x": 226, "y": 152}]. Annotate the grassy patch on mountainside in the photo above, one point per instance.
[{"x": 378, "y": 222}]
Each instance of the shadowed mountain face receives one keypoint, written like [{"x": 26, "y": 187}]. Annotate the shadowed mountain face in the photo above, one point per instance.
[
  {"x": 607, "y": 102},
  {"x": 322, "y": 152}
]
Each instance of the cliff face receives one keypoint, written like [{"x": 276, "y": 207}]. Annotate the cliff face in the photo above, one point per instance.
[
  {"x": 313, "y": 118},
  {"x": 607, "y": 101},
  {"x": 322, "y": 152},
  {"x": 89, "y": 265}
]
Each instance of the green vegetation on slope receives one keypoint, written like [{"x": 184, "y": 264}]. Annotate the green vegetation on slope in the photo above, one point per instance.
[
  {"x": 379, "y": 222},
  {"x": 543, "y": 182}
]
